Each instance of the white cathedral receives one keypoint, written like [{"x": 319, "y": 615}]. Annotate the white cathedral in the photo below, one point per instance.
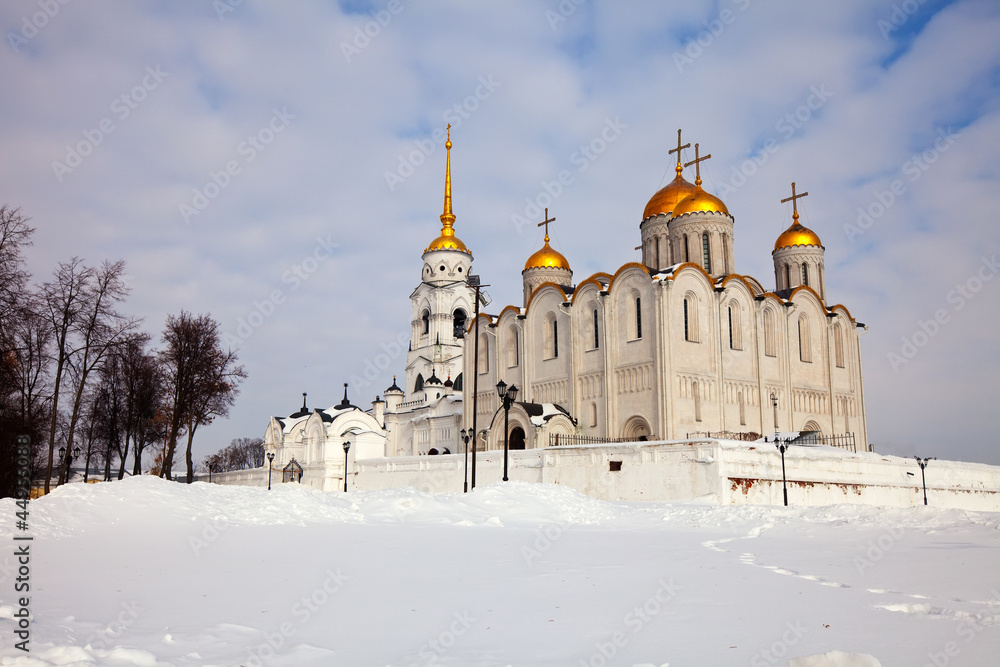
[{"x": 677, "y": 346}]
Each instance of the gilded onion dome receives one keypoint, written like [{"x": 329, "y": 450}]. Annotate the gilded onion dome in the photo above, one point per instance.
[
  {"x": 666, "y": 198},
  {"x": 547, "y": 258},
  {"x": 700, "y": 202},
  {"x": 447, "y": 240},
  {"x": 797, "y": 235}
]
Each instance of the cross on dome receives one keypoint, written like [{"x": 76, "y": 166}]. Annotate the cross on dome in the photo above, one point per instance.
[
  {"x": 697, "y": 163},
  {"x": 546, "y": 222},
  {"x": 678, "y": 151},
  {"x": 793, "y": 198}
]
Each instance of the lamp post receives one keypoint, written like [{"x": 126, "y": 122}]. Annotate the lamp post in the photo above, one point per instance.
[
  {"x": 347, "y": 448},
  {"x": 211, "y": 469},
  {"x": 782, "y": 445},
  {"x": 922, "y": 462},
  {"x": 507, "y": 397},
  {"x": 466, "y": 436},
  {"x": 270, "y": 460}
]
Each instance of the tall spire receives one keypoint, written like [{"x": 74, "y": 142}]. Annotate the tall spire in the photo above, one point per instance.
[
  {"x": 447, "y": 240},
  {"x": 447, "y": 217}
]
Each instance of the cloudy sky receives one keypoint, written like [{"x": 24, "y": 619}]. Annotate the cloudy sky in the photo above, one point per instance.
[{"x": 277, "y": 165}]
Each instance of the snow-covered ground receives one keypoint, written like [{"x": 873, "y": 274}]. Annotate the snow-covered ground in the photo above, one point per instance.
[{"x": 147, "y": 572}]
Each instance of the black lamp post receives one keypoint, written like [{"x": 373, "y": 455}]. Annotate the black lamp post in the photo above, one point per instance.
[
  {"x": 466, "y": 436},
  {"x": 507, "y": 397},
  {"x": 922, "y": 462},
  {"x": 774, "y": 404},
  {"x": 270, "y": 460},
  {"x": 347, "y": 448},
  {"x": 782, "y": 446}
]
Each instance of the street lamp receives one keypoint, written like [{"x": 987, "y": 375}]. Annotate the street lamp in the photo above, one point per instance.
[
  {"x": 782, "y": 445},
  {"x": 507, "y": 396},
  {"x": 270, "y": 460},
  {"x": 466, "y": 436},
  {"x": 922, "y": 462},
  {"x": 347, "y": 448}
]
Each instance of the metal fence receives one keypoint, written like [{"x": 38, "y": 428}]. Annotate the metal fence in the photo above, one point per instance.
[
  {"x": 746, "y": 436},
  {"x": 557, "y": 439}
]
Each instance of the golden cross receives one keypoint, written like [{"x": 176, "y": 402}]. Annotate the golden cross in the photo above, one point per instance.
[
  {"x": 697, "y": 164},
  {"x": 795, "y": 207},
  {"x": 679, "y": 147},
  {"x": 546, "y": 222}
]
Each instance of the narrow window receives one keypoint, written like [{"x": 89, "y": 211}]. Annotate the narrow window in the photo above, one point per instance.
[
  {"x": 769, "y": 333},
  {"x": 597, "y": 339},
  {"x": 638, "y": 317},
  {"x": 687, "y": 330},
  {"x": 687, "y": 250},
  {"x": 426, "y": 317},
  {"x": 805, "y": 274},
  {"x": 725, "y": 253},
  {"x": 838, "y": 345},
  {"x": 788, "y": 276},
  {"x": 805, "y": 347},
  {"x": 458, "y": 323},
  {"x": 513, "y": 347},
  {"x": 555, "y": 338},
  {"x": 731, "y": 346},
  {"x": 419, "y": 384},
  {"x": 705, "y": 258},
  {"x": 593, "y": 414}
]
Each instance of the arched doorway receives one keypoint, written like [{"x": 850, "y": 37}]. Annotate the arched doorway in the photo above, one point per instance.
[
  {"x": 516, "y": 438},
  {"x": 813, "y": 426},
  {"x": 637, "y": 429}
]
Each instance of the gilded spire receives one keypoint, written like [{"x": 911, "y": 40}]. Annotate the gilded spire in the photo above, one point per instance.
[
  {"x": 447, "y": 240},
  {"x": 447, "y": 217}
]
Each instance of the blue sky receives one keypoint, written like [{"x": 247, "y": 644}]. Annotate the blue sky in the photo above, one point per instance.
[{"x": 286, "y": 117}]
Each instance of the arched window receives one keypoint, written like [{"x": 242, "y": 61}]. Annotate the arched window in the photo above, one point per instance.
[
  {"x": 550, "y": 337},
  {"x": 706, "y": 259},
  {"x": 805, "y": 343},
  {"x": 769, "y": 333},
  {"x": 419, "y": 384},
  {"x": 593, "y": 414},
  {"x": 513, "y": 347},
  {"x": 484, "y": 353},
  {"x": 838, "y": 345},
  {"x": 426, "y": 319},
  {"x": 638, "y": 317},
  {"x": 597, "y": 337},
  {"x": 735, "y": 329},
  {"x": 805, "y": 274},
  {"x": 788, "y": 276},
  {"x": 687, "y": 249},
  {"x": 457, "y": 386},
  {"x": 725, "y": 254},
  {"x": 656, "y": 253},
  {"x": 696, "y": 392},
  {"x": 458, "y": 323},
  {"x": 690, "y": 317}
]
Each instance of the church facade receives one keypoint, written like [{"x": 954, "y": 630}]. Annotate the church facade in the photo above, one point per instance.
[
  {"x": 676, "y": 346},
  {"x": 679, "y": 345}
]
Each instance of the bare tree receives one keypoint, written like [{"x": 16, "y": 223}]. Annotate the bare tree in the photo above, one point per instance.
[
  {"x": 202, "y": 380},
  {"x": 80, "y": 308},
  {"x": 241, "y": 454}
]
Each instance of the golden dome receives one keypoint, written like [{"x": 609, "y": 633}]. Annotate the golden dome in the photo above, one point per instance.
[
  {"x": 547, "y": 258},
  {"x": 666, "y": 198},
  {"x": 797, "y": 235},
  {"x": 699, "y": 202},
  {"x": 447, "y": 240}
]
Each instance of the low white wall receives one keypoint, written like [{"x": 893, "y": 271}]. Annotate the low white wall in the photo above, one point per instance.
[{"x": 722, "y": 472}]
